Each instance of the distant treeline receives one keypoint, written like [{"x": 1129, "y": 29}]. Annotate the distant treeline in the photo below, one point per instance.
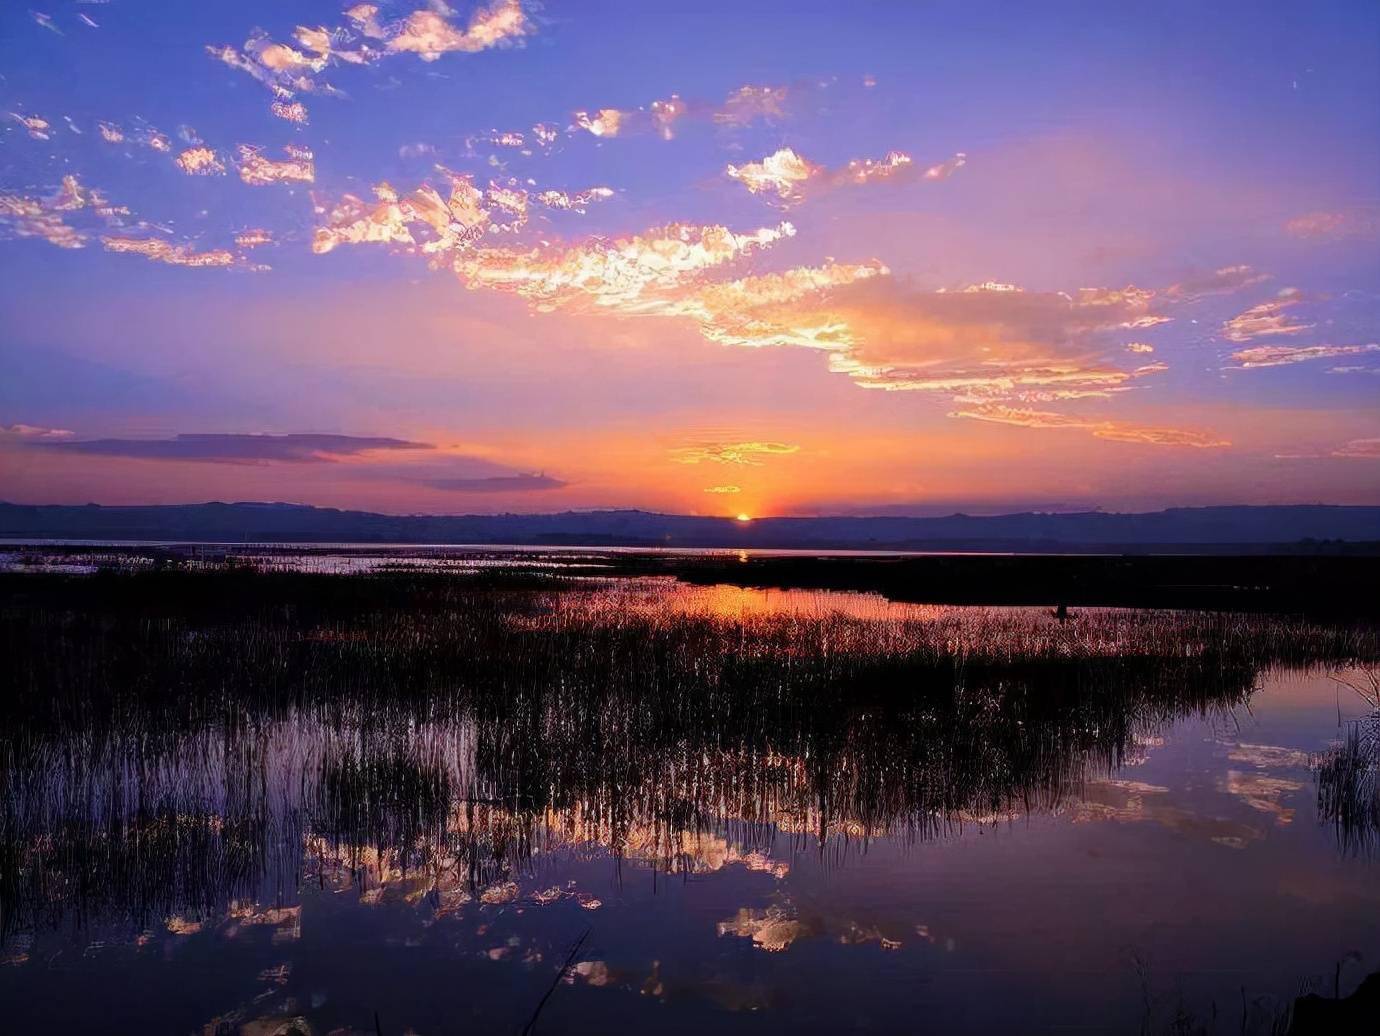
[{"x": 1291, "y": 529}]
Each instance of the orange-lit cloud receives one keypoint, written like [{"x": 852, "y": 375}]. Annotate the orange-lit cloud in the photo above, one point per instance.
[
  {"x": 577, "y": 202},
  {"x": 288, "y": 69},
  {"x": 36, "y": 126},
  {"x": 1222, "y": 281},
  {"x": 254, "y": 237},
  {"x": 1099, "y": 427},
  {"x": 789, "y": 176},
  {"x": 783, "y": 173},
  {"x": 748, "y": 104},
  {"x": 292, "y": 111},
  {"x": 1282, "y": 355},
  {"x": 429, "y": 35},
  {"x": 722, "y": 489},
  {"x": 159, "y": 251},
  {"x": 743, "y": 107},
  {"x": 606, "y": 122},
  {"x": 47, "y": 218},
  {"x": 27, "y": 217},
  {"x": 633, "y": 274},
  {"x": 1334, "y": 226},
  {"x": 748, "y": 453},
  {"x": 1268, "y": 318},
  {"x": 200, "y": 161},
  {"x": 258, "y": 171}
]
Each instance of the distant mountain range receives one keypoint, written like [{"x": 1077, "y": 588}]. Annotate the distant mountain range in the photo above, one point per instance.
[{"x": 1188, "y": 529}]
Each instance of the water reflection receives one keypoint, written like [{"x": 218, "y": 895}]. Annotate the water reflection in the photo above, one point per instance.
[{"x": 210, "y": 754}]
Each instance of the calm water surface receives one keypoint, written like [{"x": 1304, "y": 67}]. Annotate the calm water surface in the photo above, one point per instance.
[{"x": 1103, "y": 848}]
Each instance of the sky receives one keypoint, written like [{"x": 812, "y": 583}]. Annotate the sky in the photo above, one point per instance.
[{"x": 712, "y": 258}]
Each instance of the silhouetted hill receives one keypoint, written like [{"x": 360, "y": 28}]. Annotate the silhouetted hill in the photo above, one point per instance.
[{"x": 1304, "y": 528}]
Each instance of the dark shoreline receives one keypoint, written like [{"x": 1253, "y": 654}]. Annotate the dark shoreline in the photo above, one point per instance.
[{"x": 1331, "y": 585}]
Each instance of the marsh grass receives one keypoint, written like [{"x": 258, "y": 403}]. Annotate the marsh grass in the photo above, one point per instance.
[{"x": 182, "y": 740}]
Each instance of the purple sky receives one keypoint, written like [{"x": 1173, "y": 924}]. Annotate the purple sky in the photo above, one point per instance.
[{"x": 716, "y": 257}]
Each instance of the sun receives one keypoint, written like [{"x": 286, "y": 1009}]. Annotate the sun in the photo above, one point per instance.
[{"x": 744, "y": 517}]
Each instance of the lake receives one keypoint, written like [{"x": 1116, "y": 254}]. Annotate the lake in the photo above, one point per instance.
[{"x": 375, "y": 798}]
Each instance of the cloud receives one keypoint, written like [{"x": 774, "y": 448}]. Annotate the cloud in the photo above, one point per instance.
[
  {"x": 200, "y": 161},
  {"x": 790, "y": 176},
  {"x": 159, "y": 251},
  {"x": 748, "y": 104},
  {"x": 238, "y": 449},
  {"x": 258, "y": 171},
  {"x": 743, "y": 107},
  {"x": 33, "y": 433},
  {"x": 606, "y": 122},
  {"x": 47, "y": 218},
  {"x": 743, "y": 453},
  {"x": 1102, "y": 428},
  {"x": 288, "y": 69},
  {"x": 1334, "y": 226},
  {"x": 1268, "y": 318},
  {"x": 1282, "y": 355},
  {"x": 45, "y": 20},
  {"x": 36, "y": 126},
  {"x": 985, "y": 341},
  {"x": 522, "y": 483},
  {"x": 1222, "y": 281},
  {"x": 429, "y": 35},
  {"x": 422, "y": 219},
  {"x": 633, "y": 274},
  {"x": 254, "y": 237},
  {"x": 111, "y": 133},
  {"x": 292, "y": 111},
  {"x": 27, "y": 217},
  {"x": 577, "y": 202},
  {"x": 722, "y": 489},
  {"x": 783, "y": 173},
  {"x": 1139, "y": 347},
  {"x": 1368, "y": 449}
]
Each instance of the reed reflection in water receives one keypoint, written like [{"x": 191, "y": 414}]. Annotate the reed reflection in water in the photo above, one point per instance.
[{"x": 198, "y": 750}]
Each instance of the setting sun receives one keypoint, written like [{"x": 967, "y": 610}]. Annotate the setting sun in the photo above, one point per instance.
[{"x": 744, "y": 517}]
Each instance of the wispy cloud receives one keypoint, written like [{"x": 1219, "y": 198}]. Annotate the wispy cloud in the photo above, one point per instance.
[
  {"x": 1283, "y": 355},
  {"x": 790, "y": 177},
  {"x": 200, "y": 161},
  {"x": 219, "y": 448},
  {"x": 1334, "y": 226},
  {"x": 288, "y": 69},
  {"x": 48, "y": 218},
  {"x": 159, "y": 251},
  {"x": 1222, "y": 281},
  {"x": 27, "y": 433},
  {"x": 258, "y": 171},
  {"x": 429, "y": 34},
  {"x": 254, "y": 237},
  {"x": 1368, "y": 449},
  {"x": 520, "y": 483},
  {"x": 1268, "y": 318},
  {"x": 36, "y": 126},
  {"x": 1102, "y": 428},
  {"x": 742, "y": 453},
  {"x": 633, "y": 274},
  {"x": 291, "y": 111}
]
